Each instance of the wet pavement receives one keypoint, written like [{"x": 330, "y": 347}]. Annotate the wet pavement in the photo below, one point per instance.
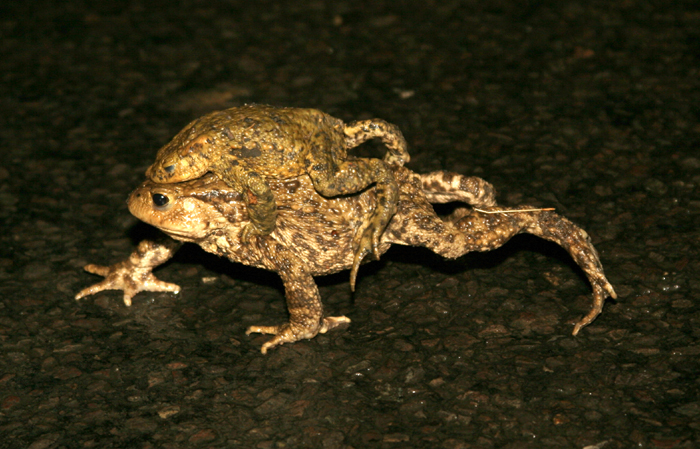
[{"x": 589, "y": 107}]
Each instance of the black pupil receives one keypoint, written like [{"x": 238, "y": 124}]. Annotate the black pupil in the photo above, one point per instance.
[
  {"x": 170, "y": 168},
  {"x": 160, "y": 200}
]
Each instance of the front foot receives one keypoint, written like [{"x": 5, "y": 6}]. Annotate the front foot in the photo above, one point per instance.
[
  {"x": 289, "y": 333},
  {"x": 123, "y": 276},
  {"x": 134, "y": 274}
]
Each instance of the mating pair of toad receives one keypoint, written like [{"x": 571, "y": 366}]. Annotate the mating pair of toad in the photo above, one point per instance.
[
  {"x": 250, "y": 145},
  {"x": 316, "y": 233}
]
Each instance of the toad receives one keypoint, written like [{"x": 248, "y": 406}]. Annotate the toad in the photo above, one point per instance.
[
  {"x": 250, "y": 145},
  {"x": 314, "y": 236}
]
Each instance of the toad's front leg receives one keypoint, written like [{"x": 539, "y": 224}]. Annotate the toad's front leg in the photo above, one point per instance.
[
  {"x": 306, "y": 318},
  {"x": 134, "y": 274},
  {"x": 257, "y": 195}
]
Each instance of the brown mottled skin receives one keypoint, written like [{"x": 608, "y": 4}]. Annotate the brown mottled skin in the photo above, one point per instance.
[
  {"x": 314, "y": 236},
  {"x": 250, "y": 145}
]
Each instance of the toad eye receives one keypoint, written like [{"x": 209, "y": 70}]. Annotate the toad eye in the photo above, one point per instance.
[
  {"x": 160, "y": 200},
  {"x": 169, "y": 169}
]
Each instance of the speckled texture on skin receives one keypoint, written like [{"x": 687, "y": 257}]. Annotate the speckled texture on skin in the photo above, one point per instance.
[
  {"x": 590, "y": 107},
  {"x": 249, "y": 145},
  {"x": 314, "y": 235}
]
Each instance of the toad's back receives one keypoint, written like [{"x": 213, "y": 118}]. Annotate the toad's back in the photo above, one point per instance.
[{"x": 269, "y": 140}]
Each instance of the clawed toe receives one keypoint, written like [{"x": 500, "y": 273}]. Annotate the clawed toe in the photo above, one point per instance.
[
  {"x": 588, "y": 319},
  {"x": 599, "y": 295}
]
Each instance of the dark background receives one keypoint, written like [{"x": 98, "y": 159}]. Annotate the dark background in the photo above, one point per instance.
[{"x": 587, "y": 106}]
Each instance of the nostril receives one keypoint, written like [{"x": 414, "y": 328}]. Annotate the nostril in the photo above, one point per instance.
[{"x": 160, "y": 200}]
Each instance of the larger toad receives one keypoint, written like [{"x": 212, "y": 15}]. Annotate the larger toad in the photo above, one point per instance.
[
  {"x": 314, "y": 236},
  {"x": 250, "y": 145}
]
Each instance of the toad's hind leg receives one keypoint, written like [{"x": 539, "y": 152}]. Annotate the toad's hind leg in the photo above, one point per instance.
[
  {"x": 333, "y": 175},
  {"x": 352, "y": 176},
  {"x": 503, "y": 223},
  {"x": 361, "y": 131},
  {"x": 446, "y": 187},
  {"x": 493, "y": 226}
]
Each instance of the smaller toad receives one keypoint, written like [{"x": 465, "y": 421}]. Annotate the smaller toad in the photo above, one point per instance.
[
  {"x": 250, "y": 145},
  {"x": 314, "y": 236}
]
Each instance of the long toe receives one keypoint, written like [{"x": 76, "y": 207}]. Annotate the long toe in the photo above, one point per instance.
[{"x": 331, "y": 322}]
